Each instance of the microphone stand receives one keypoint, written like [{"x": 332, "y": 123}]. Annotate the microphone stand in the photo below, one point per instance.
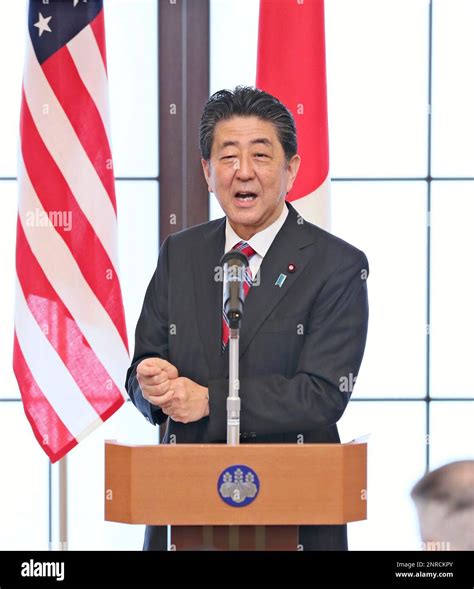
[
  {"x": 233, "y": 400},
  {"x": 234, "y": 264}
]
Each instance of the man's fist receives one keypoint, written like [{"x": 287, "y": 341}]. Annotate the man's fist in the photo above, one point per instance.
[
  {"x": 189, "y": 401},
  {"x": 154, "y": 376}
]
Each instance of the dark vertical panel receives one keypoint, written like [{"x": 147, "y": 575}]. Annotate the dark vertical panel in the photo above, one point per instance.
[
  {"x": 183, "y": 88},
  {"x": 183, "y": 63},
  {"x": 197, "y": 79}
]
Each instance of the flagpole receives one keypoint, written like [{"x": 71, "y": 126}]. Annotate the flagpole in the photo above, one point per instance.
[
  {"x": 62, "y": 337},
  {"x": 63, "y": 531}
]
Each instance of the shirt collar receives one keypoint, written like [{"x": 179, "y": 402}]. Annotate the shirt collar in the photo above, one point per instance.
[{"x": 262, "y": 240}]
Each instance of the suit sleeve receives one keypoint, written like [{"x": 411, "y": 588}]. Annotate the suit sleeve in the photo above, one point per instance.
[
  {"x": 151, "y": 335},
  {"x": 328, "y": 364}
]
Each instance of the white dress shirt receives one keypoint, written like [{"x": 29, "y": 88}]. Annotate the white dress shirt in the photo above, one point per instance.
[{"x": 260, "y": 242}]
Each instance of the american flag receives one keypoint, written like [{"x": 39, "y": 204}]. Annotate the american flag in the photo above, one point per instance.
[
  {"x": 291, "y": 65},
  {"x": 70, "y": 346}
]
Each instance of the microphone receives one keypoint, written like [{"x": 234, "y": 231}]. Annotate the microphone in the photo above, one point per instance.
[{"x": 234, "y": 264}]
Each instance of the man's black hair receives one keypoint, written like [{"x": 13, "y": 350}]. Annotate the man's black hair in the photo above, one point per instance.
[{"x": 246, "y": 101}]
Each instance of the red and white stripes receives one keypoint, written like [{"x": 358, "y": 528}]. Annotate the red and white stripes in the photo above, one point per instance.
[{"x": 71, "y": 351}]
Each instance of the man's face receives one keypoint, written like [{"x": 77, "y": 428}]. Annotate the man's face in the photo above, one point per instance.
[{"x": 248, "y": 173}]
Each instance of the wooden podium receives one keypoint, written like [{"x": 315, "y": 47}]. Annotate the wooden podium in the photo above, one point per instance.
[{"x": 177, "y": 485}]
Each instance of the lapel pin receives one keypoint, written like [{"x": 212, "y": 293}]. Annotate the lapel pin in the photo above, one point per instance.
[
  {"x": 280, "y": 280},
  {"x": 291, "y": 268}
]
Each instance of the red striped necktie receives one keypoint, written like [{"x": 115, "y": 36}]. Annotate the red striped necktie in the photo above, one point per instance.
[{"x": 248, "y": 250}]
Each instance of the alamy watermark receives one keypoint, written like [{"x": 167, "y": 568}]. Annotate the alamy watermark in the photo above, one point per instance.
[
  {"x": 235, "y": 274},
  {"x": 39, "y": 218}
]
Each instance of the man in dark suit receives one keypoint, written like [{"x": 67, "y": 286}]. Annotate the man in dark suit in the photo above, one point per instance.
[{"x": 302, "y": 337}]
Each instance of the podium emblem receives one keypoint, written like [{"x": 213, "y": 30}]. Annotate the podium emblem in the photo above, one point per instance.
[{"x": 238, "y": 485}]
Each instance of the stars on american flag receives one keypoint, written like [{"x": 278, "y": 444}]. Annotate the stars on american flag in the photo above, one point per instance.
[
  {"x": 43, "y": 21},
  {"x": 43, "y": 24}
]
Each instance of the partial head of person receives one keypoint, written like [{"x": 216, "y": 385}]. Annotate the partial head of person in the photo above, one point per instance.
[
  {"x": 249, "y": 156},
  {"x": 444, "y": 499}
]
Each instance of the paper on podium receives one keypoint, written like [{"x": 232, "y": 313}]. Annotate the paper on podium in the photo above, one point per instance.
[{"x": 360, "y": 440}]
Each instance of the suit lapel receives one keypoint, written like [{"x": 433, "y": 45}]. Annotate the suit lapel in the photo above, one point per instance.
[{"x": 287, "y": 248}]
